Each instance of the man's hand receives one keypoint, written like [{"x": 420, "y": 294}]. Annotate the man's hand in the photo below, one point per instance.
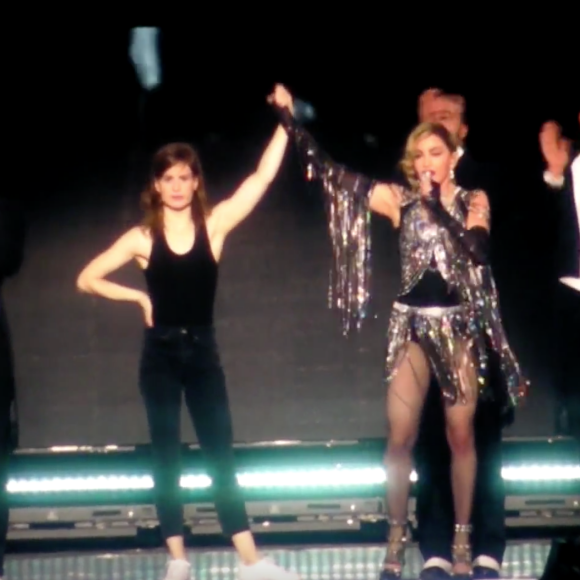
[{"x": 555, "y": 148}]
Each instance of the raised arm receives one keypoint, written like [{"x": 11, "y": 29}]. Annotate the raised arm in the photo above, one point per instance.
[
  {"x": 229, "y": 213},
  {"x": 380, "y": 197},
  {"x": 349, "y": 198},
  {"x": 556, "y": 153}
]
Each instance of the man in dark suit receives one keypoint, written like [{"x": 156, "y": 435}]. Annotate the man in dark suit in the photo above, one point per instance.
[
  {"x": 435, "y": 512},
  {"x": 12, "y": 233},
  {"x": 563, "y": 178}
]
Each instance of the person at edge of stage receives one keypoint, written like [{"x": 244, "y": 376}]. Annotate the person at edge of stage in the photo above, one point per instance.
[
  {"x": 12, "y": 240},
  {"x": 178, "y": 246},
  {"x": 434, "y": 507},
  {"x": 444, "y": 320},
  {"x": 562, "y": 175}
]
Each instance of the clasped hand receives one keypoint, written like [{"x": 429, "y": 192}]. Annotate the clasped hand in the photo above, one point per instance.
[
  {"x": 430, "y": 191},
  {"x": 281, "y": 97}
]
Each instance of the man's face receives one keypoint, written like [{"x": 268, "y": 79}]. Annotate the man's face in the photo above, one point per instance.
[{"x": 445, "y": 112}]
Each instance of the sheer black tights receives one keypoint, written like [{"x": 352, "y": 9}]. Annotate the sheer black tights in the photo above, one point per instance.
[{"x": 405, "y": 398}]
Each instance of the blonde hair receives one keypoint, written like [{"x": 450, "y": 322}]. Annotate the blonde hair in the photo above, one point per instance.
[{"x": 417, "y": 134}]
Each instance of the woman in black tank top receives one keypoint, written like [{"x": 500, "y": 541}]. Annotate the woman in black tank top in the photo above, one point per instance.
[{"x": 178, "y": 246}]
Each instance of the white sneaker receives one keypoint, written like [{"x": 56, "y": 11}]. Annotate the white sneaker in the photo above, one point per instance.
[
  {"x": 265, "y": 570},
  {"x": 178, "y": 570}
]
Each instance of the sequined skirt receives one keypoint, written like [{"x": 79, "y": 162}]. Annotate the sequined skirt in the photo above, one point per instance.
[{"x": 449, "y": 337}]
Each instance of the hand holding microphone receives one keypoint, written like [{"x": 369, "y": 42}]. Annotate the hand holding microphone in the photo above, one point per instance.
[{"x": 430, "y": 191}]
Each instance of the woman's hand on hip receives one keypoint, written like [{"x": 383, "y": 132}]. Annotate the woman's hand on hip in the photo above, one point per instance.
[{"x": 145, "y": 302}]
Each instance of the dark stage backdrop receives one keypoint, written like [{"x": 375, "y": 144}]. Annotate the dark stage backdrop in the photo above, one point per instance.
[{"x": 291, "y": 374}]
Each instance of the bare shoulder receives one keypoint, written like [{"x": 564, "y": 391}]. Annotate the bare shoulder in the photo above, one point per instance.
[
  {"x": 135, "y": 242},
  {"x": 135, "y": 236},
  {"x": 479, "y": 198},
  {"x": 405, "y": 195},
  {"x": 479, "y": 211}
]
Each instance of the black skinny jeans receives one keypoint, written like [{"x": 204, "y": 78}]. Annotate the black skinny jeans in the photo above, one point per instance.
[{"x": 186, "y": 360}]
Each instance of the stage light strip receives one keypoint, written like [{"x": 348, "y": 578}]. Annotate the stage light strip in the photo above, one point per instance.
[{"x": 295, "y": 479}]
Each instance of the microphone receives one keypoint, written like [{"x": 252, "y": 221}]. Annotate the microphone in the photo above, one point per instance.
[
  {"x": 303, "y": 112},
  {"x": 427, "y": 178}
]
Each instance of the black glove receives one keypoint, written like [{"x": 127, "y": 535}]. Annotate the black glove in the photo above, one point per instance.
[
  {"x": 286, "y": 119},
  {"x": 474, "y": 241}
]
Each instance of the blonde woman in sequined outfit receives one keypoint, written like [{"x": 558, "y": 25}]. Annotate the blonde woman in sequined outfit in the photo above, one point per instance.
[
  {"x": 429, "y": 329},
  {"x": 444, "y": 320}
]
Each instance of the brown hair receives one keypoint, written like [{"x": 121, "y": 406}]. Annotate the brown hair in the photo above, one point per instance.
[
  {"x": 420, "y": 132},
  {"x": 165, "y": 158}
]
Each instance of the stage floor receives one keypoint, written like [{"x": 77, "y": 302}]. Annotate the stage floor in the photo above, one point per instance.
[{"x": 523, "y": 560}]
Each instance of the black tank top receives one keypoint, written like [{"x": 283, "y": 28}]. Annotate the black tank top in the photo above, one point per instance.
[{"x": 182, "y": 288}]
